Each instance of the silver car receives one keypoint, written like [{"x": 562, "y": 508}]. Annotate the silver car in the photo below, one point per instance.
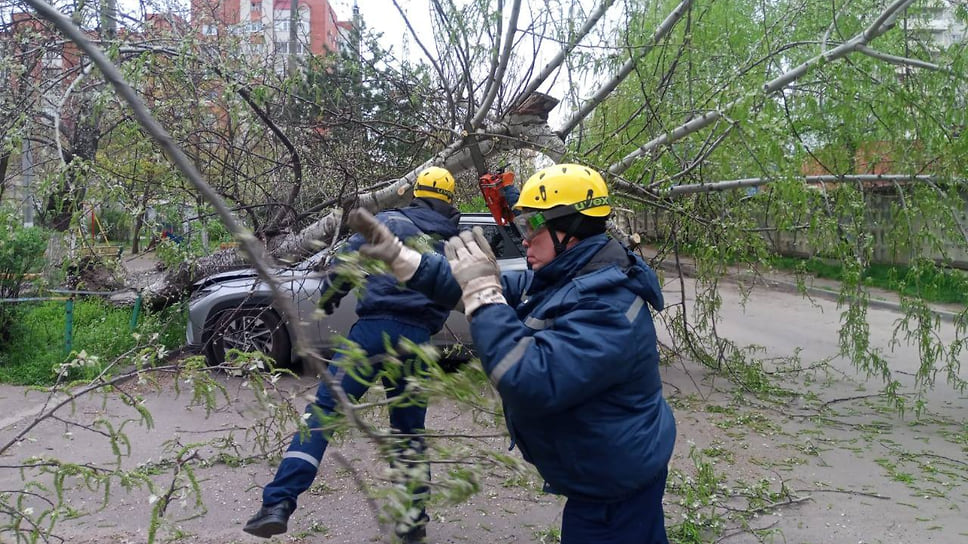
[{"x": 233, "y": 310}]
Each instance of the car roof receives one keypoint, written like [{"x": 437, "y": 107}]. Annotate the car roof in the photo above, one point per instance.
[
  {"x": 466, "y": 220},
  {"x": 476, "y": 217}
]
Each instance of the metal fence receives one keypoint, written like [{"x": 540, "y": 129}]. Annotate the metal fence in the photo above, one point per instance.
[{"x": 68, "y": 296}]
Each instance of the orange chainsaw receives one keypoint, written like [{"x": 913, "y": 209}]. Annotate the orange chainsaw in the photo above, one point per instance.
[
  {"x": 494, "y": 186},
  {"x": 499, "y": 195}
]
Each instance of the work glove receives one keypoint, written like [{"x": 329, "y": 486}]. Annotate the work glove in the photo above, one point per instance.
[
  {"x": 329, "y": 307},
  {"x": 332, "y": 294},
  {"x": 383, "y": 245},
  {"x": 474, "y": 266}
]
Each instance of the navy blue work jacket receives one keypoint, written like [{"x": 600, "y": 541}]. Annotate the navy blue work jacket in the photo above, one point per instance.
[
  {"x": 574, "y": 357},
  {"x": 385, "y": 297}
]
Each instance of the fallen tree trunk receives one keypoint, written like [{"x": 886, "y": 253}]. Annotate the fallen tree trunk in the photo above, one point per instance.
[{"x": 525, "y": 127}]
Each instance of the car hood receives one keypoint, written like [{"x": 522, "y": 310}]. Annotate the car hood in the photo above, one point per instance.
[{"x": 245, "y": 276}]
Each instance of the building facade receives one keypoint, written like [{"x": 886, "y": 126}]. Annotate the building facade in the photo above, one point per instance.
[
  {"x": 269, "y": 29},
  {"x": 937, "y": 23}
]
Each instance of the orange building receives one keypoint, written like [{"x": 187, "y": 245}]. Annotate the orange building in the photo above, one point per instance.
[{"x": 266, "y": 24}]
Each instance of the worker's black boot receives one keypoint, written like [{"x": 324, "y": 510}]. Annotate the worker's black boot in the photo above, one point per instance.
[
  {"x": 416, "y": 535},
  {"x": 270, "y": 520}
]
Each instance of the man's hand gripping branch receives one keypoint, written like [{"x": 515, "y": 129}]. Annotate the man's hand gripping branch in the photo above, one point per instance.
[
  {"x": 383, "y": 245},
  {"x": 471, "y": 260}
]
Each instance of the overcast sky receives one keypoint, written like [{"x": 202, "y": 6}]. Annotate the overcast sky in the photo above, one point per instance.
[{"x": 382, "y": 16}]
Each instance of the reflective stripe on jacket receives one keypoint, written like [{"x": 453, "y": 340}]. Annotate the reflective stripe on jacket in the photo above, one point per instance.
[{"x": 575, "y": 360}]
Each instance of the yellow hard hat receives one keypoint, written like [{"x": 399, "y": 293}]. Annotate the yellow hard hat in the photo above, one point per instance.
[
  {"x": 435, "y": 182},
  {"x": 578, "y": 187}
]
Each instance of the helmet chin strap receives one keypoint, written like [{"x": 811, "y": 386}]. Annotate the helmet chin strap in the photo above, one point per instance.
[{"x": 562, "y": 245}]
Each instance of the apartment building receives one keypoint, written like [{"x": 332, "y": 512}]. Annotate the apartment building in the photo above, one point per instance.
[{"x": 267, "y": 26}]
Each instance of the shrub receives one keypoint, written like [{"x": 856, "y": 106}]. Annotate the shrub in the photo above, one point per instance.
[
  {"x": 21, "y": 252},
  {"x": 116, "y": 224},
  {"x": 38, "y": 340}
]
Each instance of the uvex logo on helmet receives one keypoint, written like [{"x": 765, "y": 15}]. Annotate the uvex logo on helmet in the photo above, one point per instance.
[{"x": 591, "y": 203}]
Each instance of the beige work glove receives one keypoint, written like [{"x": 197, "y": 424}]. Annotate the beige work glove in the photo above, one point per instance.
[
  {"x": 383, "y": 245},
  {"x": 475, "y": 268}
]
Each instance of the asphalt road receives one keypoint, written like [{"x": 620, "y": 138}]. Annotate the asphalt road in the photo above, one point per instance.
[
  {"x": 859, "y": 473},
  {"x": 868, "y": 474}
]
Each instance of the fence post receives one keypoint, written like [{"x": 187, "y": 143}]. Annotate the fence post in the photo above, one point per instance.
[
  {"x": 135, "y": 312},
  {"x": 69, "y": 331}
]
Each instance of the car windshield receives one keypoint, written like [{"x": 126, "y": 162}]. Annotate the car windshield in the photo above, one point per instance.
[{"x": 492, "y": 234}]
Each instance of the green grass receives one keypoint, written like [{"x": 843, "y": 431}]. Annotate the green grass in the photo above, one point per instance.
[
  {"x": 475, "y": 204},
  {"x": 931, "y": 284},
  {"x": 36, "y": 345}
]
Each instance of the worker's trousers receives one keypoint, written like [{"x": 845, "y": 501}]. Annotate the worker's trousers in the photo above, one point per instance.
[
  {"x": 301, "y": 461},
  {"x": 634, "y": 520}
]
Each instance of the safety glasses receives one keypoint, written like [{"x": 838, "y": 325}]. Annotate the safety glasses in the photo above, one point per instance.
[{"x": 530, "y": 224}]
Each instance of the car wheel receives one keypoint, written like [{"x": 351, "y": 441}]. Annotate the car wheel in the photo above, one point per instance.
[{"x": 249, "y": 330}]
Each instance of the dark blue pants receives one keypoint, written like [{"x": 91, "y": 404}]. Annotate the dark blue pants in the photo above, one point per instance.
[
  {"x": 636, "y": 520},
  {"x": 301, "y": 461}
]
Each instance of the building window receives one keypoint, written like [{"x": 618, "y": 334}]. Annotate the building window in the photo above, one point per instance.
[
  {"x": 209, "y": 30},
  {"x": 53, "y": 59},
  {"x": 256, "y": 6},
  {"x": 298, "y": 48}
]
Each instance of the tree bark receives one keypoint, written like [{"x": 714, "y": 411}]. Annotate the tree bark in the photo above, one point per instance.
[{"x": 4, "y": 163}]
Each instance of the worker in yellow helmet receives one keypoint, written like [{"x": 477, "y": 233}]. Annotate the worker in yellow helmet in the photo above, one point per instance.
[
  {"x": 386, "y": 313},
  {"x": 571, "y": 347},
  {"x": 568, "y": 198}
]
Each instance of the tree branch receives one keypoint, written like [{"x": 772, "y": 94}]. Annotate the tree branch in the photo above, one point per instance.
[
  {"x": 680, "y": 190},
  {"x": 901, "y": 61},
  {"x": 498, "y": 71},
  {"x": 883, "y": 23},
  {"x": 606, "y": 89},
  {"x": 555, "y": 62}
]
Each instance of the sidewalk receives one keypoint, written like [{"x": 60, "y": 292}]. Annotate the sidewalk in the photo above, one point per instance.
[{"x": 787, "y": 281}]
